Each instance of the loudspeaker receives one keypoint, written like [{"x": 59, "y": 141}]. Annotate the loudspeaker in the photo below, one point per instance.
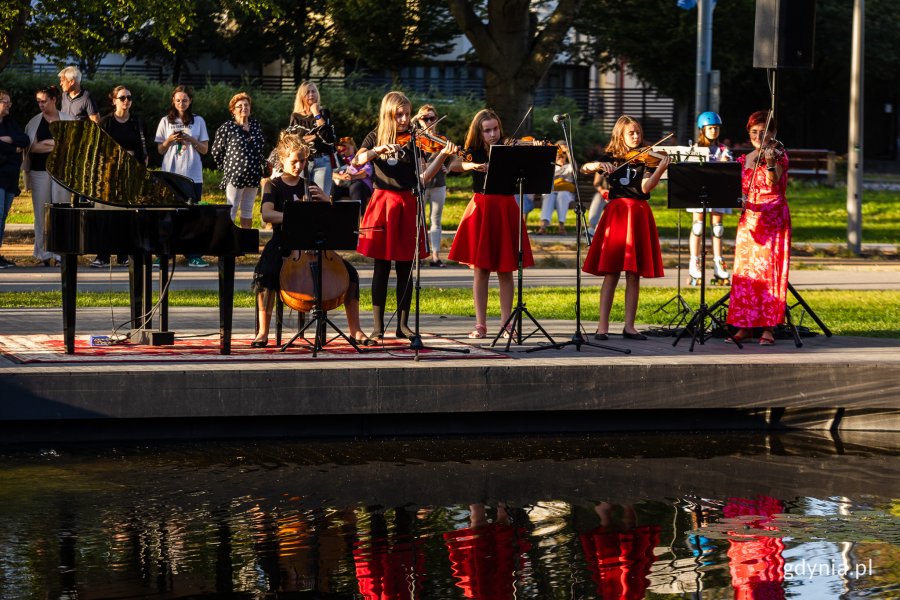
[{"x": 785, "y": 34}]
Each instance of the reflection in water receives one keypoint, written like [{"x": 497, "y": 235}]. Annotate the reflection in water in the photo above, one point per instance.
[{"x": 569, "y": 518}]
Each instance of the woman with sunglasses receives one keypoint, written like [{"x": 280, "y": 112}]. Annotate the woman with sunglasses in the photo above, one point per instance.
[
  {"x": 127, "y": 130},
  {"x": 43, "y": 189}
]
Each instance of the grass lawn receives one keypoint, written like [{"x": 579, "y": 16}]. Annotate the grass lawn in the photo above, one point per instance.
[
  {"x": 869, "y": 313},
  {"x": 818, "y": 212}
]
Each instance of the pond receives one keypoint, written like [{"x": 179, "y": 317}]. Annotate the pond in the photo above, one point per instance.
[{"x": 728, "y": 515}]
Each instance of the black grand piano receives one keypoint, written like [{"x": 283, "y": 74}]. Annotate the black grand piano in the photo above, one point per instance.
[{"x": 120, "y": 207}]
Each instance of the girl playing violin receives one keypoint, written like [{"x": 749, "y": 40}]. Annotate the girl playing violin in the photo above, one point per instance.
[
  {"x": 626, "y": 238},
  {"x": 488, "y": 235},
  {"x": 388, "y": 229},
  {"x": 292, "y": 154}
]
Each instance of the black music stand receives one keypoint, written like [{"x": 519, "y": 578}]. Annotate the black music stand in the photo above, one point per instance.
[
  {"x": 320, "y": 226},
  {"x": 704, "y": 186},
  {"x": 520, "y": 170}
]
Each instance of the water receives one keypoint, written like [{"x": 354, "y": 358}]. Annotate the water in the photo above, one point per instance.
[{"x": 700, "y": 516}]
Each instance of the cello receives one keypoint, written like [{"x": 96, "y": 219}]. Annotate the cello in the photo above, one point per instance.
[{"x": 300, "y": 277}]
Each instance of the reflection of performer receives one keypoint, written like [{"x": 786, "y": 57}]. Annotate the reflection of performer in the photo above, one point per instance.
[
  {"x": 762, "y": 253},
  {"x": 709, "y": 126},
  {"x": 487, "y": 238},
  {"x": 485, "y": 556},
  {"x": 388, "y": 229},
  {"x": 278, "y": 191},
  {"x": 757, "y": 565},
  {"x": 388, "y": 569},
  {"x": 626, "y": 238},
  {"x": 619, "y": 555}
]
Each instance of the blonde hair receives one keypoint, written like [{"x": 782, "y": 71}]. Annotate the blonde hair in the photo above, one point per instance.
[
  {"x": 617, "y": 145},
  {"x": 300, "y": 105},
  {"x": 289, "y": 143},
  {"x": 237, "y": 98},
  {"x": 387, "y": 125},
  {"x": 474, "y": 138}
]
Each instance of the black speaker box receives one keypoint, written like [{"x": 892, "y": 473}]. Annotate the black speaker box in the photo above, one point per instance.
[{"x": 785, "y": 34}]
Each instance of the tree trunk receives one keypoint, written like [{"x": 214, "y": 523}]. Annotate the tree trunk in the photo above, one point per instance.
[{"x": 514, "y": 54}]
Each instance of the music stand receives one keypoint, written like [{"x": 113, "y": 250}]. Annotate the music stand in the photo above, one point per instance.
[
  {"x": 704, "y": 186},
  {"x": 520, "y": 170},
  {"x": 320, "y": 226}
]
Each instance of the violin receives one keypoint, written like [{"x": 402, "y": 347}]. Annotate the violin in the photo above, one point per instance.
[
  {"x": 300, "y": 278},
  {"x": 430, "y": 143},
  {"x": 527, "y": 140},
  {"x": 645, "y": 155}
]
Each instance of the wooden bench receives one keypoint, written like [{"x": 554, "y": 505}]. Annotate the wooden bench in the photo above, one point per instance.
[{"x": 807, "y": 163}]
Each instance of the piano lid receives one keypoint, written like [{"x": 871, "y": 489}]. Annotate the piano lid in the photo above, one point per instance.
[{"x": 87, "y": 161}]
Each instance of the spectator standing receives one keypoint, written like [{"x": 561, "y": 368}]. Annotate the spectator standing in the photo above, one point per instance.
[
  {"x": 13, "y": 143},
  {"x": 238, "y": 152},
  {"x": 182, "y": 140},
  {"x": 77, "y": 101}
]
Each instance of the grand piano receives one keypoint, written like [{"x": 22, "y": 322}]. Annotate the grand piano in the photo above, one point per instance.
[{"x": 120, "y": 207}]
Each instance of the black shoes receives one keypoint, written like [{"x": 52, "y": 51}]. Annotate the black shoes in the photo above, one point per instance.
[
  {"x": 601, "y": 337},
  {"x": 259, "y": 343},
  {"x": 633, "y": 336}
]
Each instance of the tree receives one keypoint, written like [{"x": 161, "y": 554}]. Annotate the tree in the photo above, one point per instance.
[
  {"x": 514, "y": 50},
  {"x": 387, "y": 35},
  {"x": 88, "y": 29}
]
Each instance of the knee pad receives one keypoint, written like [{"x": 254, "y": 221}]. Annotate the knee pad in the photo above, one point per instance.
[
  {"x": 718, "y": 230},
  {"x": 697, "y": 228}
]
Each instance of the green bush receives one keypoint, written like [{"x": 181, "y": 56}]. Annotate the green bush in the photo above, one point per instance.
[{"x": 354, "y": 108}]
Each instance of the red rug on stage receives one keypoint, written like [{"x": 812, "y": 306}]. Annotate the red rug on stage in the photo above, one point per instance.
[{"x": 30, "y": 349}]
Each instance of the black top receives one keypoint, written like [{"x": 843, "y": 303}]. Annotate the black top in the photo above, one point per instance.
[
  {"x": 479, "y": 156},
  {"x": 324, "y": 144},
  {"x": 625, "y": 182},
  {"x": 131, "y": 134},
  {"x": 11, "y": 154},
  {"x": 239, "y": 153},
  {"x": 39, "y": 159},
  {"x": 399, "y": 176},
  {"x": 279, "y": 193}
]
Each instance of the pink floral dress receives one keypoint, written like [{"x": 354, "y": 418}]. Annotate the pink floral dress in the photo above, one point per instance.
[{"x": 762, "y": 253}]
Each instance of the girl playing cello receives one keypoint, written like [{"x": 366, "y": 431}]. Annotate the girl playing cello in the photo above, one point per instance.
[
  {"x": 292, "y": 153},
  {"x": 487, "y": 237},
  {"x": 626, "y": 238}
]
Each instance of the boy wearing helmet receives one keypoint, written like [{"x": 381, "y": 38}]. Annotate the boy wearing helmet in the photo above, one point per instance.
[{"x": 709, "y": 127}]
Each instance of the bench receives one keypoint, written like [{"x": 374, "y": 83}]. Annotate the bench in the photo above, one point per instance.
[{"x": 807, "y": 163}]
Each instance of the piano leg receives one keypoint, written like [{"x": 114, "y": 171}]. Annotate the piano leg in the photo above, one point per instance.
[
  {"x": 147, "y": 300},
  {"x": 163, "y": 292},
  {"x": 226, "y": 302},
  {"x": 136, "y": 279},
  {"x": 69, "y": 274}
]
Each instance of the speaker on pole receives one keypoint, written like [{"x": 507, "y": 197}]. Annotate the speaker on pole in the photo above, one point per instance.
[{"x": 785, "y": 34}]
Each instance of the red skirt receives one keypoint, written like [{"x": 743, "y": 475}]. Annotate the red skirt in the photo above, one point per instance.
[
  {"x": 626, "y": 240},
  {"x": 388, "y": 229},
  {"x": 488, "y": 235}
]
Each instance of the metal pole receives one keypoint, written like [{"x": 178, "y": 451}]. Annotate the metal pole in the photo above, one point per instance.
[
  {"x": 855, "y": 132},
  {"x": 704, "y": 55}
]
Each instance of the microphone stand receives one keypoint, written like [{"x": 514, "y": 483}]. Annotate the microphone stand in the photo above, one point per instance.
[
  {"x": 578, "y": 339},
  {"x": 415, "y": 342}
]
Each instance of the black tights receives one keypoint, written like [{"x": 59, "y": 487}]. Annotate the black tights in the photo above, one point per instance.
[{"x": 380, "y": 275}]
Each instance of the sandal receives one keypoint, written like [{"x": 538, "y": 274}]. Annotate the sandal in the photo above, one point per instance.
[
  {"x": 767, "y": 339},
  {"x": 363, "y": 340},
  {"x": 507, "y": 332},
  {"x": 478, "y": 333},
  {"x": 748, "y": 335}
]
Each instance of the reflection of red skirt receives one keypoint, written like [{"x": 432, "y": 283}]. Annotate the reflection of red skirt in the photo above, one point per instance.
[
  {"x": 388, "y": 229},
  {"x": 626, "y": 240},
  {"x": 488, "y": 235}
]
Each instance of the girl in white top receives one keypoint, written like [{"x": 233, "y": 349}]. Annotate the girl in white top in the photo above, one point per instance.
[{"x": 182, "y": 138}]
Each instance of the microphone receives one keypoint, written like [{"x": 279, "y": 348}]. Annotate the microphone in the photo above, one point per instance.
[{"x": 560, "y": 118}]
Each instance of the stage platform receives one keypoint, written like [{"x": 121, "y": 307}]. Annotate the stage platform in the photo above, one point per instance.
[{"x": 837, "y": 383}]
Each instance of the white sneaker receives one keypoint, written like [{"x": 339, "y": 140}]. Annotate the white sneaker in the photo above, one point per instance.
[
  {"x": 720, "y": 268},
  {"x": 694, "y": 268}
]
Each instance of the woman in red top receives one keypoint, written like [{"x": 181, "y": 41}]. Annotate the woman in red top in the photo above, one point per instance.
[
  {"x": 487, "y": 238},
  {"x": 388, "y": 229}
]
